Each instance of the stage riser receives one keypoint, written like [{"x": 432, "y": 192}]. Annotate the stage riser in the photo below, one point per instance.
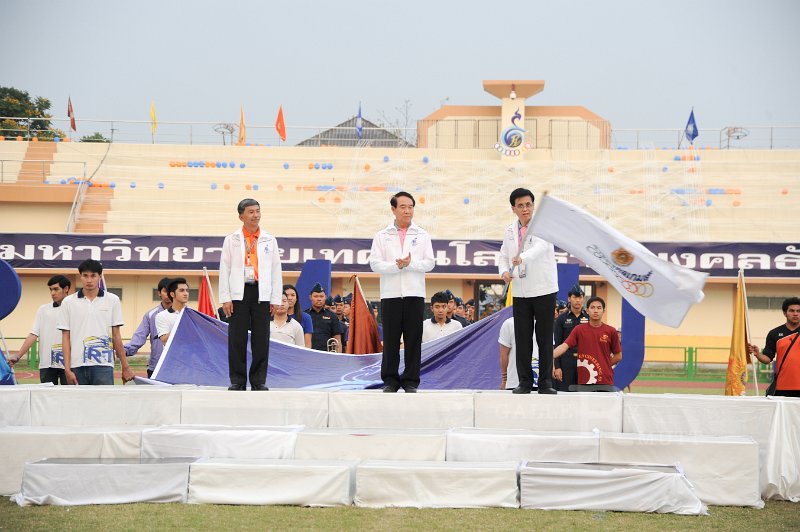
[{"x": 771, "y": 423}]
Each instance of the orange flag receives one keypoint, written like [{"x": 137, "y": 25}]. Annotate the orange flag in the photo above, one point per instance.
[
  {"x": 71, "y": 114},
  {"x": 363, "y": 337},
  {"x": 204, "y": 303},
  {"x": 736, "y": 379},
  {"x": 280, "y": 126}
]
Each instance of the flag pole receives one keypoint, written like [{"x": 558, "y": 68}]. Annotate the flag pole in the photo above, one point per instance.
[
  {"x": 207, "y": 280},
  {"x": 753, "y": 359}
]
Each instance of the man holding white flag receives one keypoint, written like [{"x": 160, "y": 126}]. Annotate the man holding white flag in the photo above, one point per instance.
[
  {"x": 529, "y": 264},
  {"x": 660, "y": 290}
]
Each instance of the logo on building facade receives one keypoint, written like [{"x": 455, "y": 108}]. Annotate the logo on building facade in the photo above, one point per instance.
[{"x": 512, "y": 139}]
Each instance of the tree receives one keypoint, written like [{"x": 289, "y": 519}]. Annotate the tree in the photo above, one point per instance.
[
  {"x": 94, "y": 137},
  {"x": 30, "y": 113},
  {"x": 401, "y": 124}
]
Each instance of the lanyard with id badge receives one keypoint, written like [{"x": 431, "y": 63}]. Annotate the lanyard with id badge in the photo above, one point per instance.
[{"x": 249, "y": 269}]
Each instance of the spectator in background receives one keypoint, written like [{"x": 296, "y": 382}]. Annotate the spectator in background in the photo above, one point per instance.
[
  {"x": 178, "y": 291},
  {"x": 147, "y": 329},
  {"x": 327, "y": 334},
  {"x": 451, "y": 309},
  {"x": 295, "y": 311},
  {"x": 283, "y": 328},
  {"x": 45, "y": 329},
  {"x": 439, "y": 325},
  {"x": 565, "y": 369},
  {"x": 86, "y": 318},
  {"x": 508, "y": 358},
  {"x": 470, "y": 312},
  {"x": 777, "y": 348},
  {"x": 596, "y": 345}
]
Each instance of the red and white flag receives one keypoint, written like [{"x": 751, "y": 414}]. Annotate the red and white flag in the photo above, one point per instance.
[
  {"x": 71, "y": 115},
  {"x": 363, "y": 337}
]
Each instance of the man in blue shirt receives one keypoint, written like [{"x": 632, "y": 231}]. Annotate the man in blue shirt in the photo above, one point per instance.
[{"x": 147, "y": 329}]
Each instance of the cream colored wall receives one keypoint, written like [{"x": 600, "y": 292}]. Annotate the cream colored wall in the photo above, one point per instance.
[{"x": 33, "y": 217}]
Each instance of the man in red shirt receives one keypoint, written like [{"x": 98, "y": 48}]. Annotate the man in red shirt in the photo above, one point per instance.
[{"x": 596, "y": 346}]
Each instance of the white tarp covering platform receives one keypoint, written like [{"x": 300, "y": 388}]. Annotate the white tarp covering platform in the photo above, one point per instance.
[
  {"x": 781, "y": 478},
  {"x": 293, "y": 482},
  {"x": 722, "y": 469},
  {"x": 495, "y": 445},
  {"x": 278, "y": 407},
  {"x": 16, "y": 405},
  {"x": 371, "y": 444},
  {"x": 571, "y": 412},
  {"x": 219, "y": 441},
  {"x": 381, "y": 484},
  {"x": 621, "y": 488},
  {"x": 19, "y": 445},
  {"x": 105, "y": 405},
  {"x": 377, "y": 410},
  {"x": 76, "y": 481}
]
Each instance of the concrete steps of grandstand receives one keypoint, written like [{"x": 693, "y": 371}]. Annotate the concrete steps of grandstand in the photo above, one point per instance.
[
  {"x": 94, "y": 211},
  {"x": 38, "y": 160}
]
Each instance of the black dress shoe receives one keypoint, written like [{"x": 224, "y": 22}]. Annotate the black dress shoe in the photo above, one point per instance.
[
  {"x": 521, "y": 389},
  {"x": 410, "y": 389},
  {"x": 259, "y": 388},
  {"x": 390, "y": 389},
  {"x": 237, "y": 387},
  {"x": 547, "y": 390}
]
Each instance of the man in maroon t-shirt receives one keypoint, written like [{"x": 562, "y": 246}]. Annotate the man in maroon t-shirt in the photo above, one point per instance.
[{"x": 596, "y": 344}]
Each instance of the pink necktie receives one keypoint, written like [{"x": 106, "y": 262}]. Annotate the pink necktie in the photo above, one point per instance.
[{"x": 522, "y": 230}]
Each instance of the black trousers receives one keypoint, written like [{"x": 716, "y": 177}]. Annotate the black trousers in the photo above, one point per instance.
[
  {"x": 527, "y": 309},
  {"x": 253, "y": 315},
  {"x": 402, "y": 316},
  {"x": 54, "y": 375}
]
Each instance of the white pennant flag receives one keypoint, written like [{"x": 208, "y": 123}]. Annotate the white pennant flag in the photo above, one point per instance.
[{"x": 660, "y": 290}]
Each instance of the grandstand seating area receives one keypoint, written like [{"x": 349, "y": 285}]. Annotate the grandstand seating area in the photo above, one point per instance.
[{"x": 651, "y": 195}]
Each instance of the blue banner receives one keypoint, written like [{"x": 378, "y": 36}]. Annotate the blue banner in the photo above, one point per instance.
[{"x": 197, "y": 353}]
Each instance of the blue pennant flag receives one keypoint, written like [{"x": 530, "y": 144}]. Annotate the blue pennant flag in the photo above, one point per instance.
[
  {"x": 359, "y": 123},
  {"x": 691, "y": 128}
]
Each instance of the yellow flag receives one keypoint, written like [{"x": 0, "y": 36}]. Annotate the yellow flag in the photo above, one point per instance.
[
  {"x": 153, "y": 117},
  {"x": 509, "y": 298},
  {"x": 736, "y": 379},
  {"x": 242, "y": 129}
]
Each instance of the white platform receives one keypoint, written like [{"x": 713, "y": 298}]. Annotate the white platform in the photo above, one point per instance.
[
  {"x": 381, "y": 484},
  {"x": 73, "y": 481},
  {"x": 219, "y": 442},
  {"x": 104, "y": 405},
  {"x": 571, "y": 412},
  {"x": 371, "y": 444},
  {"x": 16, "y": 406},
  {"x": 278, "y": 407},
  {"x": 781, "y": 478},
  {"x": 600, "y": 487},
  {"x": 722, "y": 469},
  {"x": 376, "y": 410},
  {"x": 493, "y": 445},
  {"x": 294, "y": 482}
]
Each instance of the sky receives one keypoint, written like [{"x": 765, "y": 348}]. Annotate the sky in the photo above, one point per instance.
[{"x": 639, "y": 64}]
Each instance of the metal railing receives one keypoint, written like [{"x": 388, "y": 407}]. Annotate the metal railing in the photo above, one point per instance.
[
  {"x": 696, "y": 366},
  {"x": 541, "y": 133}
]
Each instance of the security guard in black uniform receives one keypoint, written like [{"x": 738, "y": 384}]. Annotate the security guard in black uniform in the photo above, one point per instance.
[
  {"x": 326, "y": 324},
  {"x": 567, "y": 366}
]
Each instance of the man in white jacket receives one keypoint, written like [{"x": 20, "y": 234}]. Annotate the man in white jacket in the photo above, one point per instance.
[
  {"x": 250, "y": 286},
  {"x": 529, "y": 264},
  {"x": 402, "y": 254}
]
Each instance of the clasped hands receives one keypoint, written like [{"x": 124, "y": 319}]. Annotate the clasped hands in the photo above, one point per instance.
[{"x": 403, "y": 262}]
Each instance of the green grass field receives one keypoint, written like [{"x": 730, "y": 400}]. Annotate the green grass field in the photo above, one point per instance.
[{"x": 777, "y": 515}]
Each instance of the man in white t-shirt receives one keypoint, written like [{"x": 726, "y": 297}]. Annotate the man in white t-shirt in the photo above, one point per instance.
[
  {"x": 283, "y": 328},
  {"x": 45, "y": 329},
  {"x": 508, "y": 362},
  {"x": 86, "y": 317},
  {"x": 178, "y": 291},
  {"x": 440, "y": 325}
]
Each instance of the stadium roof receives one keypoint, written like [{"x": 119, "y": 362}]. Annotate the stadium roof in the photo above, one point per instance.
[{"x": 345, "y": 135}]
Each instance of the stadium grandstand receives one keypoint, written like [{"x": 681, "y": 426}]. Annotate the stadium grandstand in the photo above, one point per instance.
[{"x": 337, "y": 183}]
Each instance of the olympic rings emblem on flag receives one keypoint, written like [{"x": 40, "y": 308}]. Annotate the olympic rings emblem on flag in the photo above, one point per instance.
[{"x": 637, "y": 288}]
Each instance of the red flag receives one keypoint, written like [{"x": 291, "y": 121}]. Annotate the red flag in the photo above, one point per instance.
[
  {"x": 363, "y": 337},
  {"x": 280, "y": 126},
  {"x": 204, "y": 304},
  {"x": 71, "y": 114}
]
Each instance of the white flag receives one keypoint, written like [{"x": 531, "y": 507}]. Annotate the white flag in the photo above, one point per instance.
[{"x": 660, "y": 290}]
